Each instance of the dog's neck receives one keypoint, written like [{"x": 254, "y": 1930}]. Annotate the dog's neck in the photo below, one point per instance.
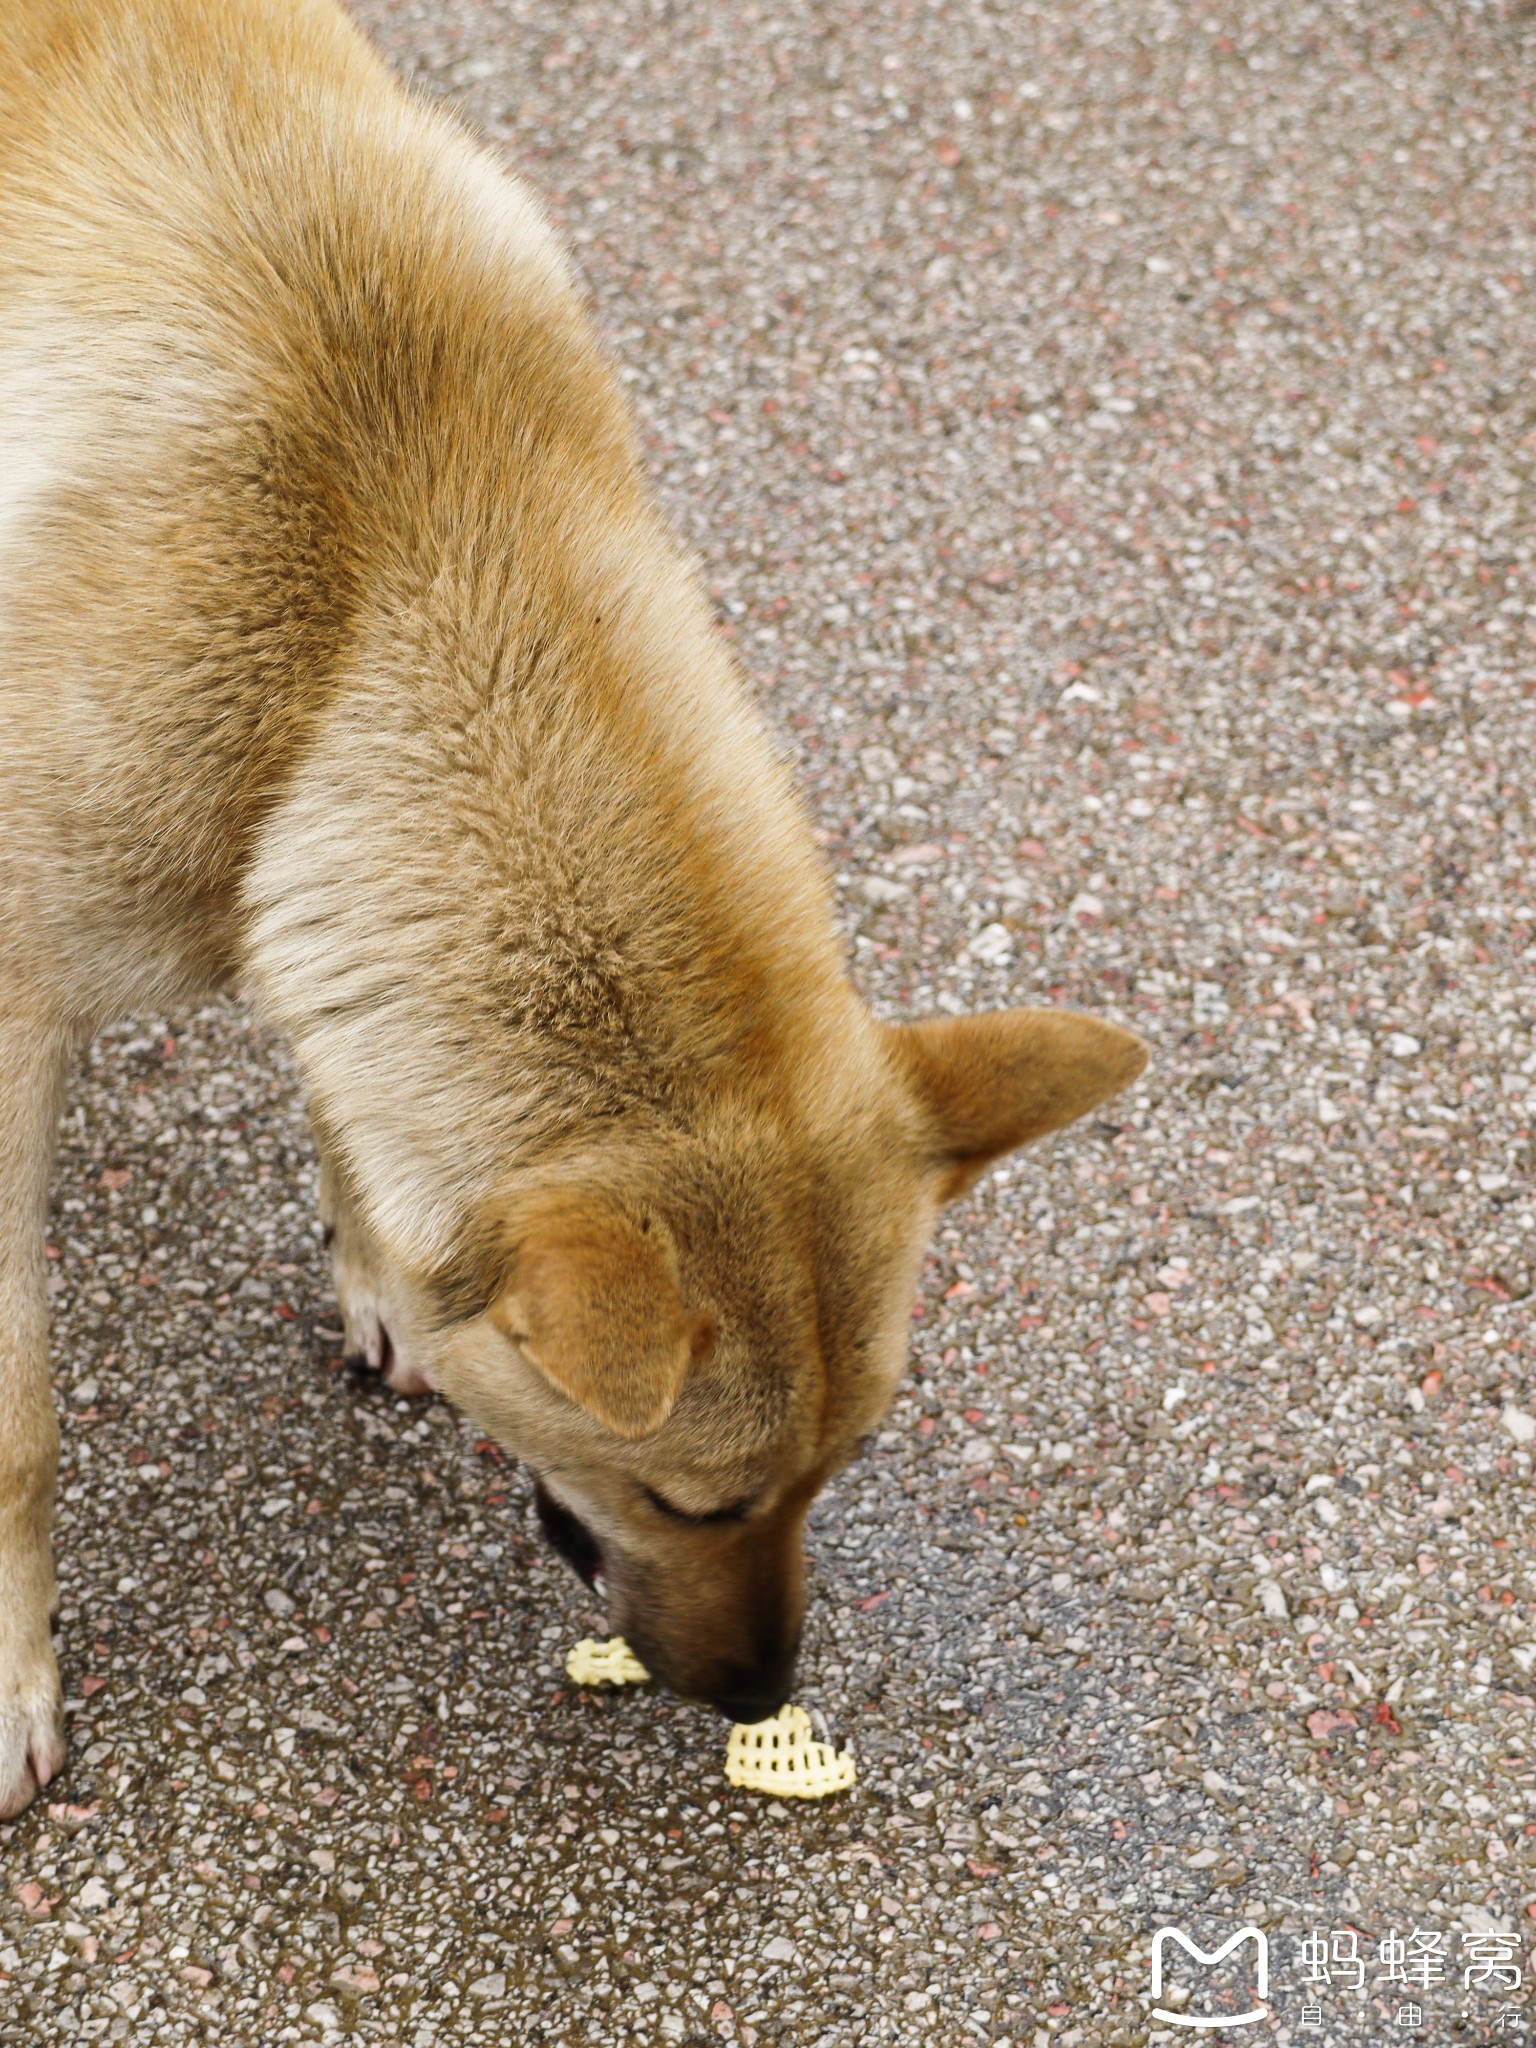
[{"x": 550, "y": 874}]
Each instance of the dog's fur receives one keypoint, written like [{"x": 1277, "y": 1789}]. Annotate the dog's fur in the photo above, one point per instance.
[{"x": 343, "y": 655}]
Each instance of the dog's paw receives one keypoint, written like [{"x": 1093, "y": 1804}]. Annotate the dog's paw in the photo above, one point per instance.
[
  {"x": 356, "y": 1274},
  {"x": 31, "y": 1728},
  {"x": 367, "y": 1344},
  {"x": 376, "y": 1353}
]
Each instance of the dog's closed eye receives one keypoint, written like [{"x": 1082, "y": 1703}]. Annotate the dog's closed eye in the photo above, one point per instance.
[{"x": 735, "y": 1511}]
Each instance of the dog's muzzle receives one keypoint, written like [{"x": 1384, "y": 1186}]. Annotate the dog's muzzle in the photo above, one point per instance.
[
  {"x": 757, "y": 1694},
  {"x": 569, "y": 1535}
]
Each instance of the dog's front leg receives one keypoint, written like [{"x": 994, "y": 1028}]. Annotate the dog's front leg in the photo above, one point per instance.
[
  {"x": 358, "y": 1272},
  {"x": 32, "y": 1063}
]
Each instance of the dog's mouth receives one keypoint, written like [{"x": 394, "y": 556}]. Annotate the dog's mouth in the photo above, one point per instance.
[{"x": 569, "y": 1534}]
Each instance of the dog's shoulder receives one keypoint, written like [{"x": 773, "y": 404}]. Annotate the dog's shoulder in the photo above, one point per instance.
[{"x": 277, "y": 334}]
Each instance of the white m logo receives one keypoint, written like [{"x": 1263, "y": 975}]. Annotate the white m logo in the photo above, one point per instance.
[{"x": 1243, "y": 2019}]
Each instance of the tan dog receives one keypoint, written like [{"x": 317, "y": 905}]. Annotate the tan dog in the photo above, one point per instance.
[{"x": 343, "y": 654}]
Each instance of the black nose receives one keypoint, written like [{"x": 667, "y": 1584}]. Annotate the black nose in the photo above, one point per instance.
[
  {"x": 756, "y": 1692},
  {"x": 751, "y": 1706}
]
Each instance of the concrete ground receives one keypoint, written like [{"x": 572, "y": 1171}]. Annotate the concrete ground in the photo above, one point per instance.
[{"x": 1108, "y": 429}]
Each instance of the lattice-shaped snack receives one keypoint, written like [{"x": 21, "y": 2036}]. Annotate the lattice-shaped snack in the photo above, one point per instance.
[
  {"x": 609, "y": 1663},
  {"x": 781, "y": 1756}
]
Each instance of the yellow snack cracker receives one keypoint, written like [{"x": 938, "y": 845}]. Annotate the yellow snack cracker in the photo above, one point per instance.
[
  {"x": 609, "y": 1663},
  {"x": 782, "y": 1756}
]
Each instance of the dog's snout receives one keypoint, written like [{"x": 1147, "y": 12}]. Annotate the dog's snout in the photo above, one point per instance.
[
  {"x": 753, "y": 1693},
  {"x": 750, "y": 1707}
]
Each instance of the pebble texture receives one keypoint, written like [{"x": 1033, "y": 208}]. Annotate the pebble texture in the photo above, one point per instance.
[{"x": 1108, "y": 431}]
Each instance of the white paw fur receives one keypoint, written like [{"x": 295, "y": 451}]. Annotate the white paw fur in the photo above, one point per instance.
[{"x": 31, "y": 1726}]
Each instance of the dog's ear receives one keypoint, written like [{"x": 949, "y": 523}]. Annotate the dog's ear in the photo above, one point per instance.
[
  {"x": 593, "y": 1300},
  {"x": 990, "y": 1083}
]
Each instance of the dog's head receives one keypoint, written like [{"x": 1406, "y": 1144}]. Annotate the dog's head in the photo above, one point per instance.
[{"x": 686, "y": 1333}]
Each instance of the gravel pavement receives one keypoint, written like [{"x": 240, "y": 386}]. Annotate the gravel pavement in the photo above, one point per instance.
[{"x": 1108, "y": 429}]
